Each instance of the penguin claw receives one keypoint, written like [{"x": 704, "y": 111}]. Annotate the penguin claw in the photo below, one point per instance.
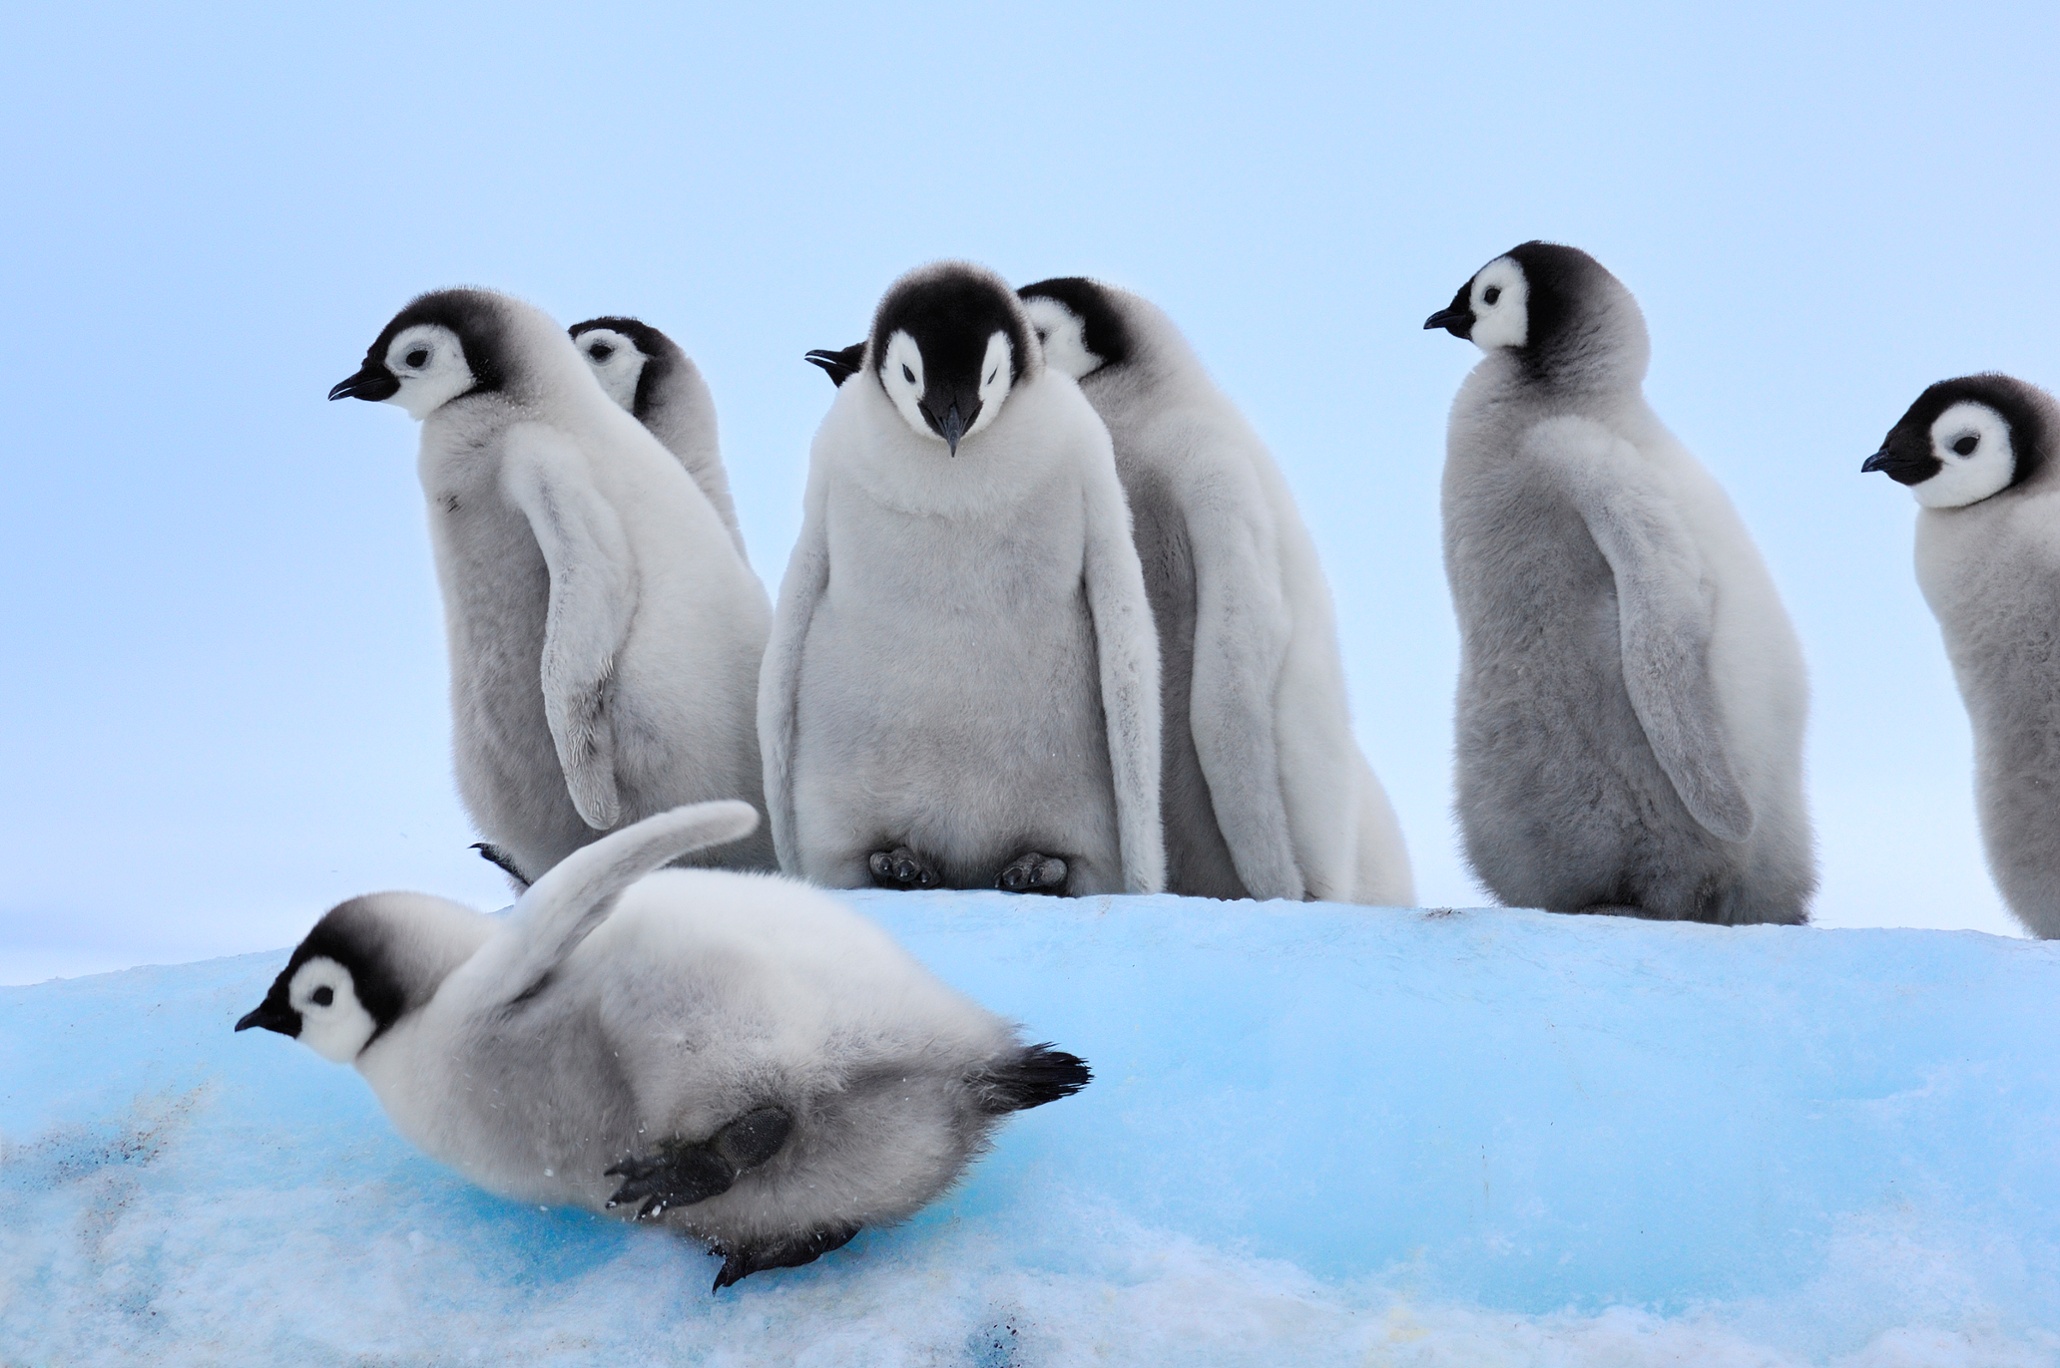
[
  {"x": 1032, "y": 872},
  {"x": 740, "y": 1263},
  {"x": 681, "y": 1174},
  {"x": 903, "y": 868}
]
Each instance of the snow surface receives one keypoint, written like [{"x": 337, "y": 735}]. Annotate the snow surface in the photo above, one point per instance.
[{"x": 1318, "y": 1135}]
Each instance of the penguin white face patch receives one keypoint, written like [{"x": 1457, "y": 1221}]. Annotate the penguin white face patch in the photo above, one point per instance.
[
  {"x": 901, "y": 375},
  {"x": 996, "y": 375},
  {"x": 1064, "y": 335},
  {"x": 333, "y": 1023},
  {"x": 616, "y": 363},
  {"x": 429, "y": 362},
  {"x": 1500, "y": 302},
  {"x": 1972, "y": 444}
]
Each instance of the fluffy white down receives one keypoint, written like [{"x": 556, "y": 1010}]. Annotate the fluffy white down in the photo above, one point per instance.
[
  {"x": 1500, "y": 301},
  {"x": 1969, "y": 476}
]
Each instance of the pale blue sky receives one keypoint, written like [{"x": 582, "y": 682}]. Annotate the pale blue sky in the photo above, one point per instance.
[{"x": 219, "y": 636}]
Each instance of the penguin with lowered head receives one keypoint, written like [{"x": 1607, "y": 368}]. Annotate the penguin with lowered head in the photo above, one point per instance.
[
  {"x": 1976, "y": 453},
  {"x": 645, "y": 372},
  {"x": 737, "y": 1056},
  {"x": 962, "y": 685},
  {"x": 1264, "y": 791},
  {"x": 1631, "y": 696},
  {"x": 604, "y": 631}
]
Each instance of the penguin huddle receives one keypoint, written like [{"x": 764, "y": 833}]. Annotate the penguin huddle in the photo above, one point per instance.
[{"x": 1053, "y": 625}]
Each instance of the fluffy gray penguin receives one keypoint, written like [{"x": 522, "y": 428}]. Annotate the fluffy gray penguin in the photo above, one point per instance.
[
  {"x": 645, "y": 372},
  {"x": 604, "y": 631},
  {"x": 1263, "y": 790},
  {"x": 1975, "y": 453},
  {"x": 962, "y": 685},
  {"x": 737, "y": 1055},
  {"x": 1631, "y": 696}
]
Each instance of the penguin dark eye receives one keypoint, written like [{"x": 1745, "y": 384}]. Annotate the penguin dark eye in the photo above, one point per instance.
[
  {"x": 1965, "y": 446},
  {"x": 1491, "y": 294},
  {"x": 600, "y": 351},
  {"x": 323, "y": 996},
  {"x": 418, "y": 358},
  {"x": 990, "y": 376},
  {"x": 908, "y": 374}
]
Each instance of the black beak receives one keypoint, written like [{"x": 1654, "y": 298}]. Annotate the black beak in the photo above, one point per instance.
[
  {"x": 838, "y": 365},
  {"x": 273, "y": 1016},
  {"x": 373, "y": 381},
  {"x": 953, "y": 427},
  {"x": 1457, "y": 321},
  {"x": 1878, "y": 461}
]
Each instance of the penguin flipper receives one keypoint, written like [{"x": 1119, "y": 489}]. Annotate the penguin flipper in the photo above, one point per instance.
[
  {"x": 593, "y": 600},
  {"x": 576, "y": 895},
  {"x": 1127, "y": 651},
  {"x": 1664, "y": 613}
]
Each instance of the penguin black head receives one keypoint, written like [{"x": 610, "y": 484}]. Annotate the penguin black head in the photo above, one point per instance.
[
  {"x": 1077, "y": 324},
  {"x": 948, "y": 343},
  {"x": 442, "y": 346},
  {"x": 367, "y": 963},
  {"x": 630, "y": 358},
  {"x": 1966, "y": 439},
  {"x": 1555, "y": 307}
]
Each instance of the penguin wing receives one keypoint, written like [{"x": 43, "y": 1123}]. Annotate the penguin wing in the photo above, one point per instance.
[
  {"x": 779, "y": 676},
  {"x": 593, "y": 599},
  {"x": 839, "y": 365},
  {"x": 1127, "y": 651},
  {"x": 1664, "y": 610},
  {"x": 1242, "y": 627},
  {"x": 574, "y": 896}
]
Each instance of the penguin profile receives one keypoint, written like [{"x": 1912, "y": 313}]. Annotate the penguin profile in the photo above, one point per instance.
[
  {"x": 645, "y": 372},
  {"x": 1631, "y": 697},
  {"x": 604, "y": 630},
  {"x": 1264, "y": 790},
  {"x": 736, "y": 1056},
  {"x": 1976, "y": 454},
  {"x": 962, "y": 685}
]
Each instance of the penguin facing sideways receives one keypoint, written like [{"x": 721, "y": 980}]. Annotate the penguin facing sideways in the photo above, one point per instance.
[
  {"x": 1976, "y": 452},
  {"x": 1264, "y": 792},
  {"x": 604, "y": 631},
  {"x": 1631, "y": 696},
  {"x": 645, "y": 372},
  {"x": 735, "y": 1055},
  {"x": 962, "y": 684}
]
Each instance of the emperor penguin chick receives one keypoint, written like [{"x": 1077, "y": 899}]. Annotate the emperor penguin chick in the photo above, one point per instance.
[
  {"x": 604, "y": 631},
  {"x": 1631, "y": 696},
  {"x": 1264, "y": 791},
  {"x": 963, "y": 685},
  {"x": 645, "y": 372},
  {"x": 1976, "y": 452},
  {"x": 736, "y": 1055}
]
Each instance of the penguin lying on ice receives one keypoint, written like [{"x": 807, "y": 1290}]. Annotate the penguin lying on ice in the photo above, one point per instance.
[
  {"x": 736, "y": 1055},
  {"x": 1976, "y": 453}
]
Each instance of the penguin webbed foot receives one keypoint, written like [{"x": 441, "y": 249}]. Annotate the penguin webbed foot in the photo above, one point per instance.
[
  {"x": 681, "y": 1174},
  {"x": 740, "y": 1263},
  {"x": 1032, "y": 872},
  {"x": 902, "y": 868}
]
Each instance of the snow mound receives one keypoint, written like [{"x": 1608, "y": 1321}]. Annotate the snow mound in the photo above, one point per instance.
[{"x": 1317, "y": 1135}]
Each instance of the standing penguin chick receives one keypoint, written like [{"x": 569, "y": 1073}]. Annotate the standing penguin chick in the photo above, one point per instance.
[
  {"x": 737, "y": 1054},
  {"x": 1975, "y": 453},
  {"x": 962, "y": 686},
  {"x": 604, "y": 632},
  {"x": 645, "y": 372},
  {"x": 1631, "y": 695},
  {"x": 1263, "y": 790}
]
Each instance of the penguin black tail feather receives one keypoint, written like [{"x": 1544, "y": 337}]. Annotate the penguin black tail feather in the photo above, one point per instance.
[{"x": 1033, "y": 1076}]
